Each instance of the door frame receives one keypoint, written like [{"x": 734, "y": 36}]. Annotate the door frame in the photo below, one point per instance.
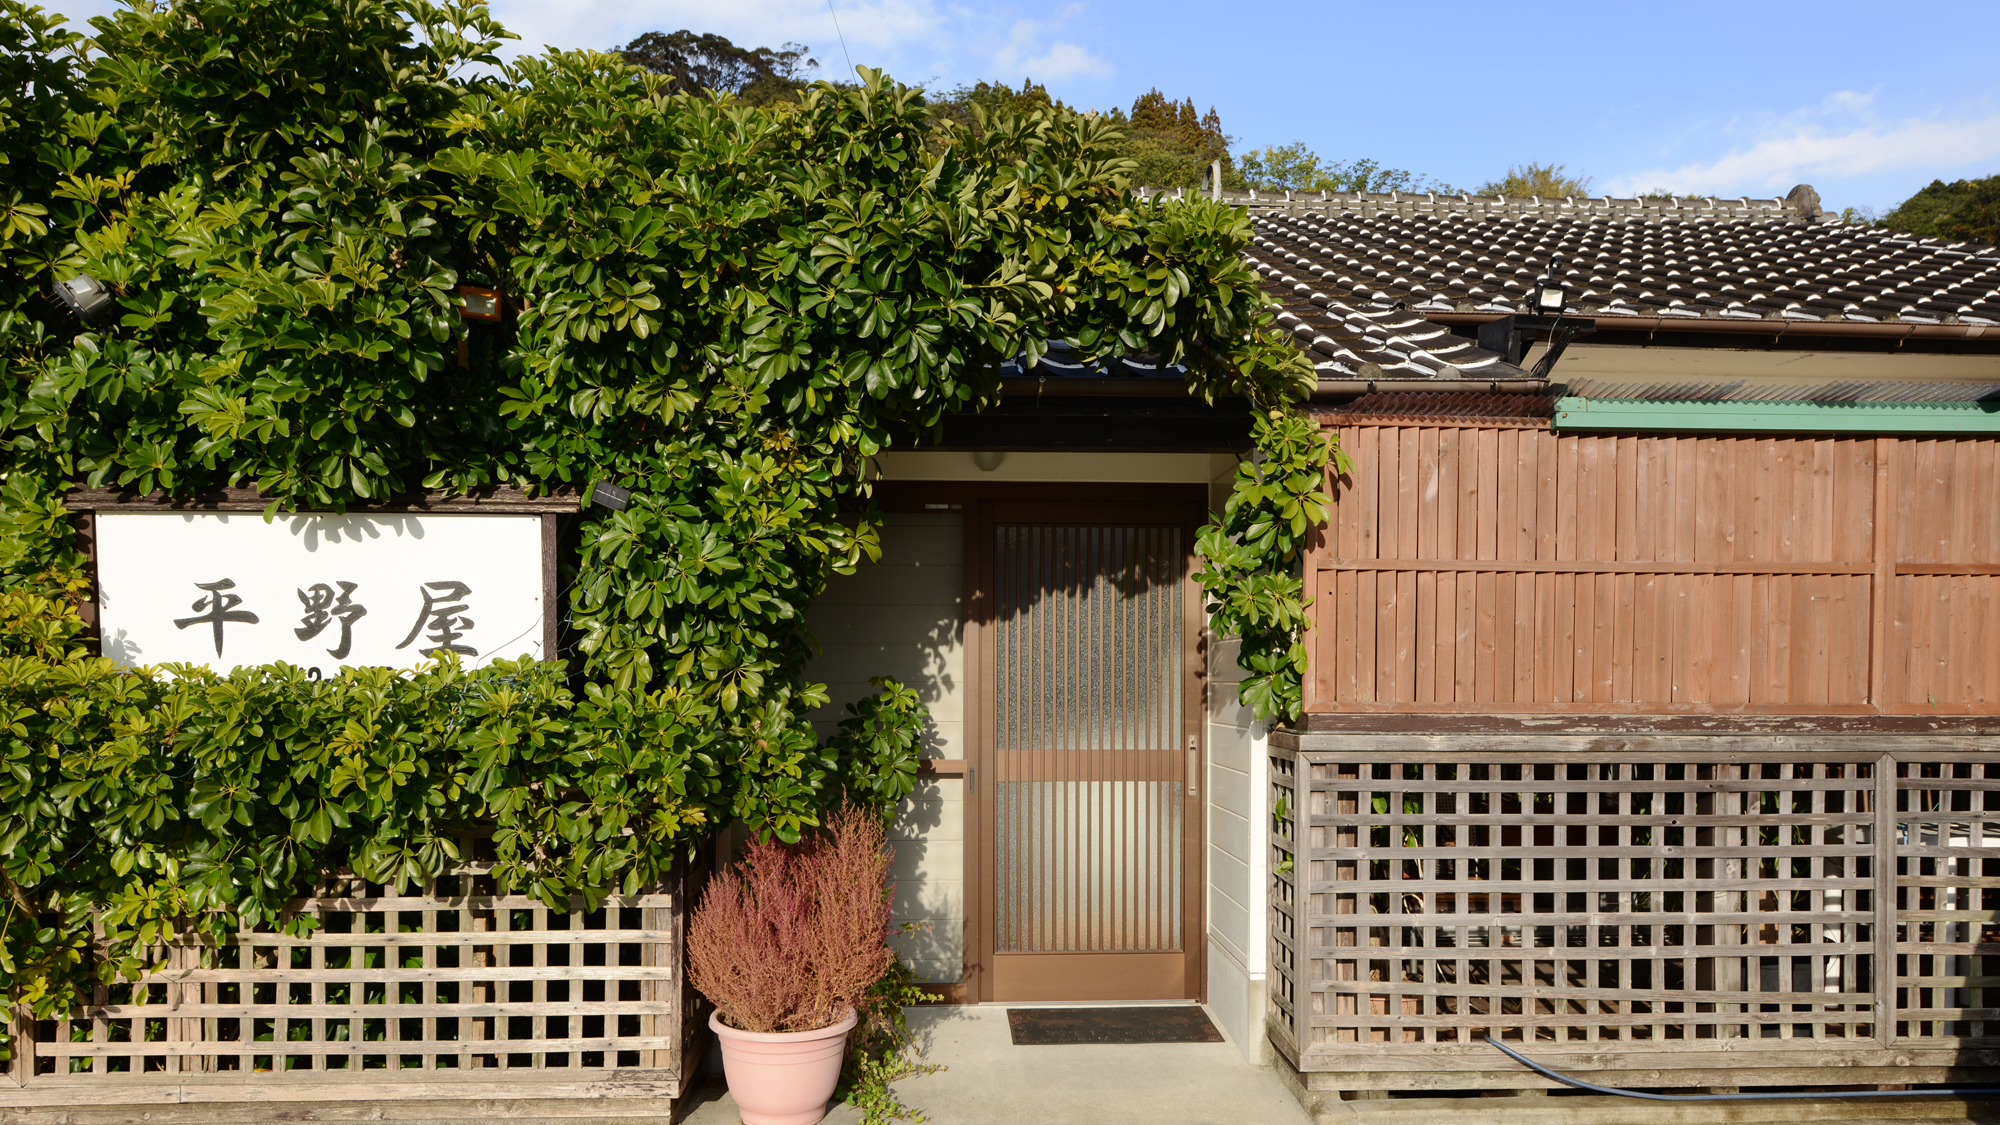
[{"x": 976, "y": 501}]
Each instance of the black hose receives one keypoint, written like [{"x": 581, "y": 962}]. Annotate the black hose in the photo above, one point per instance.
[{"x": 1594, "y": 1088}]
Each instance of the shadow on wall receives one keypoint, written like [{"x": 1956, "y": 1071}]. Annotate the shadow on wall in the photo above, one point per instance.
[
  {"x": 921, "y": 662},
  {"x": 921, "y": 659},
  {"x": 935, "y": 946},
  {"x": 919, "y": 815},
  {"x": 945, "y": 635}
]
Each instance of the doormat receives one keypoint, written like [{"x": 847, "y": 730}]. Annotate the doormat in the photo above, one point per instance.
[{"x": 1055, "y": 1027}]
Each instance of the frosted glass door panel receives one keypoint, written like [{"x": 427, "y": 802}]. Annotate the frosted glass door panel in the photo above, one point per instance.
[{"x": 1090, "y": 768}]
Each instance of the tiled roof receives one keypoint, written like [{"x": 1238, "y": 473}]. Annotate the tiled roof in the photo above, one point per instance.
[
  {"x": 1353, "y": 275},
  {"x": 1764, "y": 259},
  {"x": 1060, "y": 362},
  {"x": 1353, "y": 331},
  {"x": 1801, "y": 206},
  {"x": 1343, "y": 339}
]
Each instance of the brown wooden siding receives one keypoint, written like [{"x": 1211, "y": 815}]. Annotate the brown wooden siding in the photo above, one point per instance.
[{"x": 1502, "y": 567}]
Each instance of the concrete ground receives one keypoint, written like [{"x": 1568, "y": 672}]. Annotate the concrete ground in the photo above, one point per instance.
[{"x": 987, "y": 1081}]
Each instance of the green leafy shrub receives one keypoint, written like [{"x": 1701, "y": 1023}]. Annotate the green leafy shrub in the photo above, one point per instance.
[
  {"x": 882, "y": 1049},
  {"x": 727, "y": 309}
]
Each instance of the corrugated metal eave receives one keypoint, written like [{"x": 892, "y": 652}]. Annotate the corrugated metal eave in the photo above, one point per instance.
[
  {"x": 1582, "y": 413},
  {"x": 1763, "y": 390}
]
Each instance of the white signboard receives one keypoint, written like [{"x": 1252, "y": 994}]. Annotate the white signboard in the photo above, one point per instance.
[{"x": 319, "y": 591}]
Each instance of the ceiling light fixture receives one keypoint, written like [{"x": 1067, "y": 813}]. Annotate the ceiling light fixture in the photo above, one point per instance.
[
  {"x": 86, "y": 297},
  {"x": 479, "y": 303},
  {"x": 604, "y": 494}
]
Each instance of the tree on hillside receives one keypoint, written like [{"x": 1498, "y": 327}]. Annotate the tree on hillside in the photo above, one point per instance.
[
  {"x": 1169, "y": 143},
  {"x": 711, "y": 63},
  {"x": 1154, "y": 110},
  {"x": 1294, "y": 167},
  {"x": 956, "y": 104},
  {"x": 1963, "y": 211},
  {"x": 1550, "y": 181},
  {"x": 1172, "y": 145}
]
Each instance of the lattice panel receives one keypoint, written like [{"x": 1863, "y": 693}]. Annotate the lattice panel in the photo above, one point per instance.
[
  {"x": 1281, "y": 992},
  {"x": 1663, "y": 901},
  {"x": 1948, "y": 898},
  {"x": 437, "y": 984}
]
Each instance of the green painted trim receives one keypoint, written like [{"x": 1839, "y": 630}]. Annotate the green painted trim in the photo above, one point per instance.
[{"x": 1575, "y": 413}]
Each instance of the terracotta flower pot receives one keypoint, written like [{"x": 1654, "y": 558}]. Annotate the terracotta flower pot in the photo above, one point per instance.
[{"x": 782, "y": 1077}]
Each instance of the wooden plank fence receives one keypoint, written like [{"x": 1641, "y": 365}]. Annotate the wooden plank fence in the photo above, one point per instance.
[
  {"x": 1662, "y": 911},
  {"x": 1492, "y": 565},
  {"x": 437, "y": 992}
]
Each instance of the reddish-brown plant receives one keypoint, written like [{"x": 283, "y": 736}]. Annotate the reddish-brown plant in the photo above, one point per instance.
[{"x": 791, "y": 936}]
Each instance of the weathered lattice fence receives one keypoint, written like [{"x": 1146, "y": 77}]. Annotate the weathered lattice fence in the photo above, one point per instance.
[
  {"x": 1658, "y": 912},
  {"x": 441, "y": 992}
]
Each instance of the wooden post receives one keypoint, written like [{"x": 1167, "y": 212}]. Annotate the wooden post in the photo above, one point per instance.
[
  {"x": 85, "y": 524},
  {"x": 1880, "y": 587},
  {"x": 1885, "y": 899},
  {"x": 21, "y": 1069},
  {"x": 1732, "y": 937},
  {"x": 1301, "y": 932},
  {"x": 551, "y": 586},
  {"x": 679, "y": 884}
]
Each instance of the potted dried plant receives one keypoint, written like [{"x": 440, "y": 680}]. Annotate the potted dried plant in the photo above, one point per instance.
[{"x": 785, "y": 943}]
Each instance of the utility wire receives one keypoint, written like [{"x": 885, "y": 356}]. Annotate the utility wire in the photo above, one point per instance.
[
  {"x": 1592, "y": 1087},
  {"x": 843, "y": 37}
]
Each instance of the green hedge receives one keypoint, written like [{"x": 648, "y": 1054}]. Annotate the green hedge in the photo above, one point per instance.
[{"x": 726, "y": 309}]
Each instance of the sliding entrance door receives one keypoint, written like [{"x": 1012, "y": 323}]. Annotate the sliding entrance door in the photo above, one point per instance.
[{"x": 1087, "y": 766}]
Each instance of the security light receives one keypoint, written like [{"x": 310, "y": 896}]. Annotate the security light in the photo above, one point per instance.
[
  {"x": 86, "y": 297},
  {"x": 604, "y": 494},
  {"x": 480, "y": 304},
  {"x": 1551, "y": 295}
]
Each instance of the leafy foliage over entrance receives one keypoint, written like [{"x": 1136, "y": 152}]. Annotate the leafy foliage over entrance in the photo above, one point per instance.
[{"x": 727, "y": 309}]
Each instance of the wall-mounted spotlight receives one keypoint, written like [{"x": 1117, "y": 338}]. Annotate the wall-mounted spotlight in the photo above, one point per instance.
[
  {"x": 604, "y": 494},
  {"x": 479, "y": 303},
  {"x": 87, "y": 298},
  {"x": 1551, "y": 294}
]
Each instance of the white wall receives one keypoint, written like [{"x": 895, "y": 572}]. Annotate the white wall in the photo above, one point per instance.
[
  {"x": 1237, "y": 791},
  {"x": 903, "y": 617}
]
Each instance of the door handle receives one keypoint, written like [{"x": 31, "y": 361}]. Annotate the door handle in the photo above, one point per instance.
[{"x": 1194, "y": 764}]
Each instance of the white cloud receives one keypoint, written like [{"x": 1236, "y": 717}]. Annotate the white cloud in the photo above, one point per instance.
[
  {"x": 1064, "y": 60},
  {"x": 873, "y": 26},
  {"x": 1805, "y": 151},
  {"x": 1060, "y": 60}
]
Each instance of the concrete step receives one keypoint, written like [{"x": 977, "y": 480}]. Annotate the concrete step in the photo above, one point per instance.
[{"x": 1595, "y": 1110}]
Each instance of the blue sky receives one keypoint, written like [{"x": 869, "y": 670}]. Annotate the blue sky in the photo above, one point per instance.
[{"x": 1745, "y": 98}]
